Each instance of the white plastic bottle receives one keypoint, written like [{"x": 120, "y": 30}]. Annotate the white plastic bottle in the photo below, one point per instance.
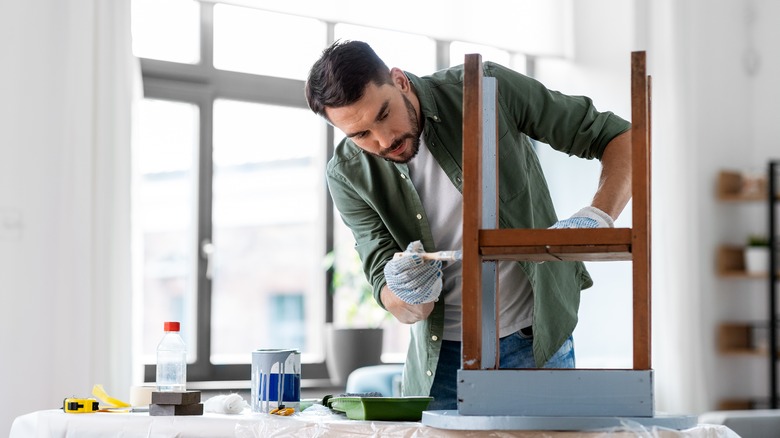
[{"x": 171, "y": 360}]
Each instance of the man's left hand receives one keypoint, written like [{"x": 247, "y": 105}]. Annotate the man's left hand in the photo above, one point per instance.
[{"x": 588, "y": 217}]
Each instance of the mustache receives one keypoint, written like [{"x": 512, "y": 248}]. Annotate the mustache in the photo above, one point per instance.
[{"x": 397, "y": 143}]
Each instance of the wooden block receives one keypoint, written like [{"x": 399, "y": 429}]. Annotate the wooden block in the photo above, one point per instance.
[
  {"x": 170, "y": 410},
  {"x": 176, "y": 398}
]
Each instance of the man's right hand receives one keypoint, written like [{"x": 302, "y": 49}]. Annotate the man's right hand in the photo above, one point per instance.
[
  {"x": 404, "y": 312},
  {"x": 412, "y": 279}
]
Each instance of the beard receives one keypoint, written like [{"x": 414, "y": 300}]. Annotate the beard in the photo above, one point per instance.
[{"x": 413, "y": 135}]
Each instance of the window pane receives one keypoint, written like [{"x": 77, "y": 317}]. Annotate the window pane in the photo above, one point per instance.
[
  {"x": 268, "y": 279},
  {"x": 164, "y": 201},
  {"x": 168, "y": 30},
  {"x": 349, "y": 310},
  {"x": 413, "y": 53},
  {"x": 254, "y": 41},
  {"x": 458, "y": 51},
  {"x": 519, "y": 63}
]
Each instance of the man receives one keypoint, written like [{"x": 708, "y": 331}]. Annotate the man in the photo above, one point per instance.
[{"x": 396, "y": 180}]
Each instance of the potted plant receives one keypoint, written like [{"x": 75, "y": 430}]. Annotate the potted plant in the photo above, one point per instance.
[
  {"x": 355, "y": 337},
  {"x": 757, "y": 254}
]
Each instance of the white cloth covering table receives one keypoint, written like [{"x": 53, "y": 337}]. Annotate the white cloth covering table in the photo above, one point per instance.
[{"x": 56, "y": 423}]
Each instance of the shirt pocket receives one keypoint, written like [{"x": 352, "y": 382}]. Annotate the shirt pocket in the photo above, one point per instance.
[{"x": 513, "y": 150}]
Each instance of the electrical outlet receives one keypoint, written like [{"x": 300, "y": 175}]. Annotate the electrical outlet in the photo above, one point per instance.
[{"x": 11, "y": 225}]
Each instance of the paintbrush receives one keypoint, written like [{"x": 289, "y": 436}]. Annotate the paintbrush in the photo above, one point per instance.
[{"x": 445, "y": 256}]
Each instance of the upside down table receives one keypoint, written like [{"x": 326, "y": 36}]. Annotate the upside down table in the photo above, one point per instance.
[{"x": 533, "y": 399}]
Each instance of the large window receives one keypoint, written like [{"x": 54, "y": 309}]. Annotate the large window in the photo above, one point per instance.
[
  {"x": 231, "y": 209},
  {"x": 232, "y": 221}
]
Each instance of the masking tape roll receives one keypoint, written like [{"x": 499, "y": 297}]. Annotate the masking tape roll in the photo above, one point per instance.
[{"x": 141, "y": 395}]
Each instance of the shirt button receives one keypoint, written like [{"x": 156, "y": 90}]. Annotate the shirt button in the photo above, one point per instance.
[
  {"x": 429, "y": 373},
  {"x": 403, "y": 176},
  {"x": 419, "y": 216},
  {"x": 435, "y": 338},
  {"x": 436, "y": 118},
  {"x": 457, "y": 179}
]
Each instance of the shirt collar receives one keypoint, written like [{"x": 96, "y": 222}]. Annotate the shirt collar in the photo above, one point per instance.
[{"x": 425, "y": 97}]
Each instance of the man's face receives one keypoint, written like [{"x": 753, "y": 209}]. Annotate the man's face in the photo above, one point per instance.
[{"x": 383, "y": 122}]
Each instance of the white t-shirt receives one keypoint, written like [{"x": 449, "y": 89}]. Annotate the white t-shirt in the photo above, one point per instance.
[{"x": 443, "y": 205}]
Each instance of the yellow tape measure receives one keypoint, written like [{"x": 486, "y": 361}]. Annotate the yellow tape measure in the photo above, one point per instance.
[
  {"x": 80, "y": 405},
  {"x": 75, "y": 405}
]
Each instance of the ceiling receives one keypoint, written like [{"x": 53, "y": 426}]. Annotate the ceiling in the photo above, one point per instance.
[{"x": 534, "y": 27}]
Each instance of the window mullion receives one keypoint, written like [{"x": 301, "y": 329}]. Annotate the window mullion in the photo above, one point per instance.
[
  {"x": 202, "y": 369},
  {"x": 202, "y": 365},
  {"x": 442, "y": 54},
  {"x": 260, "y": 89},
  {"x": 530, "y": 66},
  {"x": 207, "y": 35},
  {"x": 330, "y": 239}
]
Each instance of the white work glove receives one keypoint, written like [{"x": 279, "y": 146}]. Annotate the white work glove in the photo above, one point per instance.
[
  {"x": 412, "y": 279},
  {"x": 588, "y": 217}
]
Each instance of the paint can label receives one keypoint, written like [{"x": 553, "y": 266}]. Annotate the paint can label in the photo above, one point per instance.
[{"x": 276, "y": 379}]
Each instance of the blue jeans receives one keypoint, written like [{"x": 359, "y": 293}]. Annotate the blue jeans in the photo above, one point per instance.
[{"x": 515, "y": 352}]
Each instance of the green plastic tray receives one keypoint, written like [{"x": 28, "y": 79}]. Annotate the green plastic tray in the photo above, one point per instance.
[{"x": 381, "y": 408}]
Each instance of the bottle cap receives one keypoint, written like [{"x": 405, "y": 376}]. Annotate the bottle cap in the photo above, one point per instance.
[{"x": 171, "y": 326}]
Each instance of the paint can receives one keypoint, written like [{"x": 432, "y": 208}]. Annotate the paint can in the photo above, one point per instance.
[{"x": 276, "y": 379}]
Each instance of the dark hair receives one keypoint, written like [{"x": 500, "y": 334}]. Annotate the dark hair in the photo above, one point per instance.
[{"x": 341, "y": 75}]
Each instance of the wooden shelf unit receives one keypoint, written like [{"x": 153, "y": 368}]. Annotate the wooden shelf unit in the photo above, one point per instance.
[
  {"x": 743, "y": 338},
  {"x": 730, "y": 263},
  {"x": 732, "y": 187},
  {"x": 746, "y": 338},
  {"x": 740, "y": 404}
]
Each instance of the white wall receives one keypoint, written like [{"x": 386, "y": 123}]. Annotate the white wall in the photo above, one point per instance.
[
  {"x": 63, "y": 124},
  {"x": 46, "y": 323}
]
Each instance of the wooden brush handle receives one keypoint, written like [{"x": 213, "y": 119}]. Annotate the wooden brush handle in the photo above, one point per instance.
[{"x": 448, "y": 256}]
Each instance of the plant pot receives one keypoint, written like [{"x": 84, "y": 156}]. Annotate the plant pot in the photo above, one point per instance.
[
  {"x": 348, "y": 349},
  {"x": 757, "y": 259}
]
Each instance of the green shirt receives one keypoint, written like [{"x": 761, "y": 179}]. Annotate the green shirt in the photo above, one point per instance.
[{"x": 378, "y": 202}]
